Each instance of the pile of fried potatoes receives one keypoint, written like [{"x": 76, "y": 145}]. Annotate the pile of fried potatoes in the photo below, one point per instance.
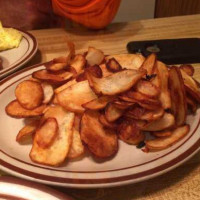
[{"x": 90, "y": 101}]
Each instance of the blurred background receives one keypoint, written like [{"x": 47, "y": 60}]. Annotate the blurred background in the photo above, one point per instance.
[{"x": 146, "y": 9}]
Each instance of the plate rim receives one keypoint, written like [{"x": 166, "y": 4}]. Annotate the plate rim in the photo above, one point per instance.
[
  {"x": 99, "y": 183},
  {"x": 27, "y": 57}
]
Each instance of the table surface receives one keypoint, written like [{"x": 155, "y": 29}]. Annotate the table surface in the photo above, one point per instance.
[{"x": 182, "y": 183}]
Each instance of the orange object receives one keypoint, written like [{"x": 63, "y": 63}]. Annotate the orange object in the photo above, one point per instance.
[{"x": 95, "y": 14}]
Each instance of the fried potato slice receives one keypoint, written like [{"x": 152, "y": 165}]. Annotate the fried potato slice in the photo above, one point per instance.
[
  {"x": 64, "y": 86},
  {"x": 14, "y": 109},
  {"x": 130, "y": 133},
  {"x": 99, "y": 103},
  {"x": 128, "y": 61},
  {"x": 101, "y": 142},
  {"x": 122, "y": 104},
  {"x": 105, "y": 71},
  {"x": 56, "y": 153},
  {"x": 161, "y": 134},
  {"x": 54, "y": 66},
  {"x": 140, "y": 113},
  {"x": 73, "y": 97},
  {"x": 54, "y": 78},
  {"x": 106, "y": 123},
  {"x": 163, "y": 76},
  {"x": 77, "y": 148},
  {"x": 78, "y": 63},
  {"x": 46, "y": 133},
  {"x": 191, "y": 86},
  {"x": 191, "y": 104},
  {"x": 147, "y": 88},
  {"x": 163, "y": 143},
  {"x": 29, "y": 94},
  {"x": 113, "y": 66},
  {"x": 116, "y": 83},
  {"x": 188, "y": 69},
  {"x": 178, "y": 96},
  {"x": 27, "y": 131},
  {"x": 165, "y": 122},
  {"x": 113, "y": 113},
  {"x": 149, "y": 64},
  {"x": 94, "y": 56},
  {"x": 48, "y": 92}
]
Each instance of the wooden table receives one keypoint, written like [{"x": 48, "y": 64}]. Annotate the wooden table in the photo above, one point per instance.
[{"x": 182, "y": 183}]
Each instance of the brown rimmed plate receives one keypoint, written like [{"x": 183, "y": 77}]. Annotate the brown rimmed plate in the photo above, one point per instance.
[
  {"x": 15, "y": 58},
  {"x": 130, "y": 165},
  {"x": 17, "y": 189}
]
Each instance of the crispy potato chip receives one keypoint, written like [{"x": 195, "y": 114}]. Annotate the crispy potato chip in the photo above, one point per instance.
[
  {"x": 76, "y": 148},
  {"x": 64, "y": 86},
  {"x": 105, "y": 71},
  {"x": 191, "y": 86},
  {"x": 188, "y": 69},
  {"x": 149, "y": 64},
  {"x": 29, "y": 94},
  {"x": 192, "y": 105},
  {"x": 80, "y": 93},
  {"x": 78, "y": 63},
  {"x": 178, "y": 97},
  {"x": 48, "y": 92},
  {"x": 128, "y": 61},
  {"x": 165, "y": 133},
  {"x": 54, "y": 78},
  {"x": 130, "y": 133},
  {"x": 106, "y": 123},
  {"x": 163, "y": 75},
  {"x": 99, "y": 103},
  {"x": 147, "y": 88},
  {"x": 165, "y": 122},
  {"x": 94, "y": 70},
  {"x": 14, "y": 109},
  {"x": 46, "y": 133},
  {"x": 116, "y": 83},
  {"x": 81, "y": 77},
  {"x": 55, "y": 67},
  {"x": 113, "y": 113},
  {"x": 25, "y": 134},
  {"x": 113, "y": 66},
  {"x": 101, "y": 142},
  {"x": 163, "y": 143},
  {"x": 57, "y": 152},
  {"x": 94, "y": 56},
  {"x": 122, "y": 104}
]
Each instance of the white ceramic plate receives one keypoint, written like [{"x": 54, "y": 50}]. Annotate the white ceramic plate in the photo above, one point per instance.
[
  {"x": 13, "y": 59},
  {"x": 130, "y": 165},
  {"x": 16, "y": 189}
]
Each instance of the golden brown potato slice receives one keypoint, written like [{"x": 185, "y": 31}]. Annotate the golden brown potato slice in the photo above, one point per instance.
[
  {"x": 48, "y": 92},
  {"x": 149, "y": 64},
  {"x": 162, "y": 133},
  {"x": 54, "y": 78},
  {"x": 188, "y": 69},
  {"x": 29, "y": 94},
  {"x": 178, "y": 96},
  {"x": 55, "y": 67},
  {"x": 105, "y": 71},
  {"x": 128, "y": 61},
  {"x": 25, "y": 134},
  {"x": 56, "y": 153},
  {"x": 163, "y": 143},
  {"x": 122, "y": 104},
  {"x": 99, "y": 103},
  {"x": 147, "y": 88},
  {"x": 165, "y": 122},
  {"x": 76, "y": 148},
  {"x": 163, "y": 75},
  {"x": 73, "y": 97},
  {"x": 78, "y": 63},
  {"x": 101, "y": 142},
  {"x": 94, "y": 56},
  {"x": 14, "y": 109},
  {"x": 113, "y": 66},
  {"x": 64, "y": 86},
  {"x": 106, "y": 123},
  {"x": 116, "y": 83},
  {"x": 192, "y": 105},
  {"x": 46, "y": 133},
  {"x": 113, "y": 113},
  {"x": 191, "y": 86},
  {"x": 130, "y": 133}
]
